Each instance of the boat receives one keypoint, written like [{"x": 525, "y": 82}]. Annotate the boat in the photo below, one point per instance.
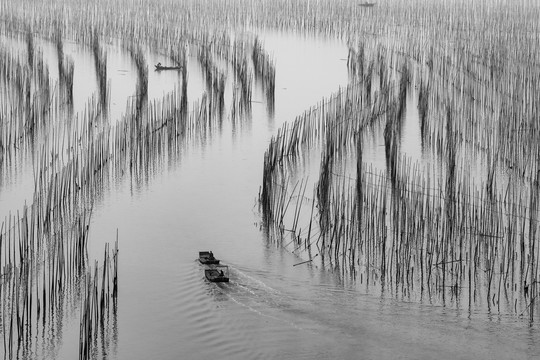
[
  {"x": 218, "y": 273},
  {"x": 160, "y": 67},
  {"x": 207, "y": 258},
  {"x": 366, "y": 4}
]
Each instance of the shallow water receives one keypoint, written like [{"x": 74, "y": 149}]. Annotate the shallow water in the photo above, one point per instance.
[{"x": 270, "y": 309}]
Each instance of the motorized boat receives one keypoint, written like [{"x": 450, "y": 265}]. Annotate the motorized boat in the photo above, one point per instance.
[
  {"x": 207, "y": 258},
  {"x": 218, "y": 273},
  {"x": 160, "y": 67}
]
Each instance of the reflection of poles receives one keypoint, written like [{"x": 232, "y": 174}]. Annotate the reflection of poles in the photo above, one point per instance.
[
  {"x": 266, "y": 72},
  {"x": 391, "y": 139},
  {"x": 324, "y": 189},
  {"x": 532, "y": 238},
  {"x": 359, "y": 182},
  {"x": 450, "y": 202},
  {"x": 403, "y": 85},
  {"x": 490, "y": 181},
  {"x": 100, "y": 63},
  {"x": 215, "y": 81},
  {"x": 423, "y": 107},
  {"x": 95, "y": 310},
  {"x": 142, "y": 80},
  {"x": 66, "y": 69},
  {"x": 30, "y": 47}
]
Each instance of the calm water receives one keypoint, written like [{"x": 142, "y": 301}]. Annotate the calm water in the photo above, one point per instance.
[{"x": 208, "y": 200}]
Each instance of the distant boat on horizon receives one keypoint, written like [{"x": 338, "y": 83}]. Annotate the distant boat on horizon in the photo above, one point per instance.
[{"x": 366, "y": 4}]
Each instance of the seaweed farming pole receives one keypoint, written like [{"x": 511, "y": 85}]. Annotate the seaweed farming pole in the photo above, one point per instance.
[
  {"x": 65, "y": 72},
  {"x": 533, "y": 227},
  {"x": 30, "y": 48},
  {"x": 450, "y": 203},
  {"x": 141, "y": 96},
  {"x": 243, "y": 78},
  {"x": 215, "y": 81},
  {"x": 182, "y": 112},
  {"x": 324, "y": 189},
  {"x": 96, "y": 310},
  {"x": 265, "y": 71},
  {"x": 100, "y": 63}
]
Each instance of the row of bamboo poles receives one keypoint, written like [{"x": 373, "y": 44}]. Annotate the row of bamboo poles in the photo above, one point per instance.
[
  {"x": 75, "y": 158},
  {"x": 99, "y": 307},
  {"x": 454, "y": 236}
]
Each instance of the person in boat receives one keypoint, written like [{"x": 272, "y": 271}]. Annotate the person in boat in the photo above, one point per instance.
[
  {"x": 221, "y": 274},
  {"x": 211, "y": 256}
]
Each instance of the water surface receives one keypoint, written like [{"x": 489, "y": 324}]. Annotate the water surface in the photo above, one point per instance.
[{"x": 207, "y": 200}]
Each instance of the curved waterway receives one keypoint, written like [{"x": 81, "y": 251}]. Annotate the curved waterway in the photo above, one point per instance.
[
  {"x": 270, "y": 309},
  {"x": 207, "y": 200}
]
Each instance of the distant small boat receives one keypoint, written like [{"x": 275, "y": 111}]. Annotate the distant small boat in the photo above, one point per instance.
[
  {"x": 217, "y": 274},
  {"x": 366, "y": 4},
  {"x": 160, "y": 67},
  {"x": 207, "y": 258}
]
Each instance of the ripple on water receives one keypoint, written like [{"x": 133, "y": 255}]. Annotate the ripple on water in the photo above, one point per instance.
[{"x": 198, "y": 317}]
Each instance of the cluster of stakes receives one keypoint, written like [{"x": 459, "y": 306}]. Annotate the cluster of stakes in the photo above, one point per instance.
[{"x": 460, "y": 233}]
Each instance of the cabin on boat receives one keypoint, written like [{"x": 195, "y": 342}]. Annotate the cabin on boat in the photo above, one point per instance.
[{"x": 218, "y": 273}]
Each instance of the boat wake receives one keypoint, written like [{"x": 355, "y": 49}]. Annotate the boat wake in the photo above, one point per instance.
[{"x": 255, "y": 295}]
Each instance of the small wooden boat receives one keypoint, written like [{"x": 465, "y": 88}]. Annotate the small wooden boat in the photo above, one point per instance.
[
  {"x": 160, "y": 67},
  {"x": 207, "y": 258},
  {"x": 217, "y": 274}
]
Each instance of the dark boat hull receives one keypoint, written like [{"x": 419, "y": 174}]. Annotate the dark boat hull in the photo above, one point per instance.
[
  {"x": 208, "y": 261},
  {"x": 206, "y": 258},
  {"x": 214, "y": 276},
  {"x": 159, "y": 68}
]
